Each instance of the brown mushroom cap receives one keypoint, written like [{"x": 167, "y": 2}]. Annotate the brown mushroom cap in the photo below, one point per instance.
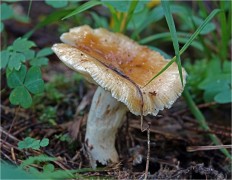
[{"x": 121, "y": 66}]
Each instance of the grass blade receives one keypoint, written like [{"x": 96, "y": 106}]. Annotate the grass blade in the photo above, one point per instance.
[
  {"x": 82, "y": 8},
  {"x": 29, "y": 8},
  {"x": 187, "y": 44},
  {"x": 172, "y": 28},
  {"x": 56, "y": 16},
  {"x": 182, "y": 38},
  {"x": 130, "y": 13},
  {"x": 224, "y": 32},
  {"x": 199, "y": 29},
  {"x": 162, "y": 35},
  {"x": 202, "y": 122}
]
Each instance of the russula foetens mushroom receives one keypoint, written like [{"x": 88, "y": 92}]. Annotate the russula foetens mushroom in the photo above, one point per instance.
[{"x": 121, "y": 68}]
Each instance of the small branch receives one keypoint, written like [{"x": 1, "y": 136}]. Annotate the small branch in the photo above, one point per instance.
[
  {"x": 7, "y": 134},
  {"x": 217, "y": 132},
  {"x": 13, "y": 154},
  {"x": 216, "y": 126},
  {"x": 206, "y": 148},
  {"x": 14, "y": 119},
  {"x": 200, "y": 106}
]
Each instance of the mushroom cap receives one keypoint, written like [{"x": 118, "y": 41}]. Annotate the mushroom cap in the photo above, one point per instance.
[{"x": 121, "y": 66}]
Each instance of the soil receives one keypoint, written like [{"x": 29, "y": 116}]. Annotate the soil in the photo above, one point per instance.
[{"x": 173, "y": 132}]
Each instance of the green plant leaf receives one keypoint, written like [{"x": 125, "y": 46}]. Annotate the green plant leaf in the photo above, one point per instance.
[
  {"x": 25, "y": 143},
  {"x": 165, "y": 55},
  {"x": 22, "y": 44},
  {"x": 155, "y": 15},
  {"x": 6, "y": 11},
  {"x": 224, "y": 96},
  {"x": 1, "y": 26},
  {"x": 82, "y": 8},
  {"x": 134, "y": 24},
  {"x": 29, "y": 54},
  {"x": 214, "y": 85},
  {"x": 227, "y": 67},
  {"x": 43, "y": 61},
  {"x": 44, "y": 142},
  {"x": 99, "y": 21},
  {"x": 33, "y": 80},
  {"x": 20, "y": 96},
  {"x": 57, "y": 3},
  {"x": 48, "y": 168},
  {"x": 5, "y": 56},
  {"x": 15, "y": 60},
  {"x": 124, "y": 6},
  {"x": 44, "y": 52},
  {"x": 199, "y": 29},
  {"x": 16, "y": 78},
  {"x": 29, "y": 142},
  {"x": 37, "y": 159},
  {"x": 207, "y": 29},
  {"x": 35, "y": 144}
]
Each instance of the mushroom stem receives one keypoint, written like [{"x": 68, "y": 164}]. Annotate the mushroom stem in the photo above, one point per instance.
[{"x": 105, "y": 117}]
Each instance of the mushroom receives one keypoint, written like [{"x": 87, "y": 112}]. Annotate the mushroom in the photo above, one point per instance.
[{"x": 121, "y": 68}]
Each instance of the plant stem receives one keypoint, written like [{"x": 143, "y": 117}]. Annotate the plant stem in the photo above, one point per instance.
[
  {"x": 224, "y": 33},
  {"x": 201, "y": 120},
  {"x": 148, "y": 150}
]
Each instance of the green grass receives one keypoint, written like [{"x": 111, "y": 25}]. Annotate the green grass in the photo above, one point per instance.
[{"x": 172, "y": 28}]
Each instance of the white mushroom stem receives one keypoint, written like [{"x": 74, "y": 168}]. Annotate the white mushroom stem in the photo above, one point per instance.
[{"x": 105, "y": 117}]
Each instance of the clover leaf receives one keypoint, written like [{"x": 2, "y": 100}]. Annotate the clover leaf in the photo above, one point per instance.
[
  {"x": 40, "y": 59},
  {"x": 16, "y": 78},
  {"x": 29, "y": 142},
  {"x": 44, "y": 142},
  {"x": 16, "y": 60},
  {"x": 29, "y": 54},
  {"x": 44, "y": 52},
  {"x": 33, "y": 81},
  {"x": 5, "y": 55},
  {"x": 17, "y": 53},
  {"x": 22, "y": 45},
  {"x": 21, "y": 96},
  {"x": 23, "y": 83}
]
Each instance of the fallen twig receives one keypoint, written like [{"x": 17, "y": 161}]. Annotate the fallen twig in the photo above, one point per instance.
[{"x": 206, "y": 148}]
